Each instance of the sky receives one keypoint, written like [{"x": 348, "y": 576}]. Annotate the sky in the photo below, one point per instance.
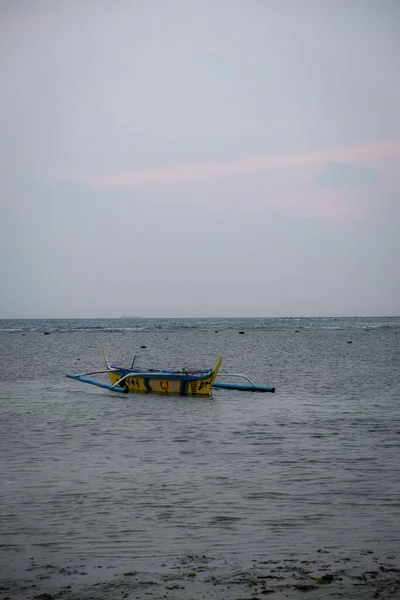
[{"x": 204, "y": 158}]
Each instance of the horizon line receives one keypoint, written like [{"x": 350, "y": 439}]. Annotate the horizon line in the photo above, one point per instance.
[{"x": 352, "y": 316}]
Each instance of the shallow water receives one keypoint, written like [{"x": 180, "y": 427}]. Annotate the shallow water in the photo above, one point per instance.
[{"x": 94, "y": 485}]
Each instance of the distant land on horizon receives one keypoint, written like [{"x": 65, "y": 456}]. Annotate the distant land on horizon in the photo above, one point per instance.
[{"x": 123, "y": 316}]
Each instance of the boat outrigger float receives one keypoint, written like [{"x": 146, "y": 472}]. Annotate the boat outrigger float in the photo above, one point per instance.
[{"x": 181, "y": 382}]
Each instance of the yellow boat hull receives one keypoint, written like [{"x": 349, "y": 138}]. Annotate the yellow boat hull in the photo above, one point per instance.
[{"x": 167, "y": 384}]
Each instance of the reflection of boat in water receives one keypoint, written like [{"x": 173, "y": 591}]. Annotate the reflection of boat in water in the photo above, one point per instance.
[{"x": 182, "y": 382}]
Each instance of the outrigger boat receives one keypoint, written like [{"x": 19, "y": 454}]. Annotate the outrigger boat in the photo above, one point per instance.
[{"x": 182, "y": 382}]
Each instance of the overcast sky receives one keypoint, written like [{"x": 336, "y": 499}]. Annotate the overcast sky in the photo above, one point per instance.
[{"x": 199, "y": 158}]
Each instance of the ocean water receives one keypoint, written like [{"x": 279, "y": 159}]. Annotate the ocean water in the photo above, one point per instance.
[{"x": 241, "y": 495}]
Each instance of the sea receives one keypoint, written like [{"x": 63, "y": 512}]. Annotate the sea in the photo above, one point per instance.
[{"x": 241, "y": 495}]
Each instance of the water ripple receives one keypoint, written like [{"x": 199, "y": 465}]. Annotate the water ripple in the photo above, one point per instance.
[{"x": 89, "y": 474}]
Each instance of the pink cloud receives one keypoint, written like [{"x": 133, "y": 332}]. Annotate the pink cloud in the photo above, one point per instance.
[
  {"x": 329, "y": 204},
  {"x": 375, "y": 152},
  {"x": 24, "y": 22}
]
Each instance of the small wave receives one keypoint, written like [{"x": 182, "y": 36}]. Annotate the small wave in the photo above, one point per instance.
[{"x": 114, "y": 329}]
